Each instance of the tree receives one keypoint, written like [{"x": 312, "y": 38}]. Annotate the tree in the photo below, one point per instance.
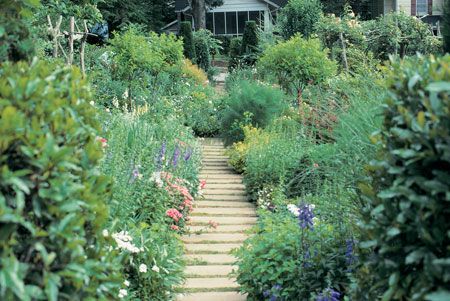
[
  {"x": 199, "y": 11},
  {"x": 297, "y": 63},
  {"x": 446, "y": 27},
  {"x": 299, "y": 16},
  {"x": 188, "y": 40},
  {"x": 250, "y": 42},
  {"x": 337, "y": 7}
]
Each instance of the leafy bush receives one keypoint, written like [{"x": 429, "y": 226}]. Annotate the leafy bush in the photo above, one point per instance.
[
  {"x": 52, "y": 195},
  {"x": 188, "y": 40},
  {"x": 205, "y": 46},
  {"x": 297, "y": 63},
  {"x": 235, "y": 53},
  {"x": 406, "y": 224},
  {"x": 295, "y": 258},
  {"x": 193, "y": 72},
  {"x": 399, "y": 34},
  {"x": 299, "y": 16},
  {"x": 249, "y": 47},
  {"x": 249, "y": 103}
]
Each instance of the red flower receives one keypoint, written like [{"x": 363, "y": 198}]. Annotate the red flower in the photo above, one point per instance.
[
  {"x": 175, "y": 227},
  {"x": 174, "y": 214}
]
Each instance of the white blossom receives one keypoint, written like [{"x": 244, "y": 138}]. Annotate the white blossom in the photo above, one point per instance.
[
  {"x": 293, "y": 209},
  {"x": 156, "y": 177},
  {"x": 143, "y": 268},
  {"x": 122, "y": 293},
  {"x": 155, "y": 268},
  {"x": 126, "y": 283},
  {"x": 105, "y": 233},
  {"x": 125, "y": 242}
]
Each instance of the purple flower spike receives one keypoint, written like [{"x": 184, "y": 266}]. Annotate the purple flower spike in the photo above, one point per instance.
[
  {"x": 160, "y": 159},
  {"x": 188, "y": 154},
  {"x": 306, "y": 216},
  {"x": 176, "y": 155},
  {"x": 329, "y": 295}
]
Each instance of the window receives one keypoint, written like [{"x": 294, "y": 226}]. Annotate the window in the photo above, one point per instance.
[
  {"x": 254, "y": 16},
  {"x": 242, "y": 18},
  {"x": 231, "y": 23},
  {"x": 219, "y": 19},
  {"x": 422, "y": 7},
  {"x": 210, "y": 22}
]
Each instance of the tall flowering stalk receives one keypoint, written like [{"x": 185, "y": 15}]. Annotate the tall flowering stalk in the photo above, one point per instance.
[
  {"x": 329, "y": 294},
  {"x": 305, "y": 217},
  {"x": 160, "y": 158},
  {"x": 188, "y": 154},
  {"x": 176, "y": 155}
]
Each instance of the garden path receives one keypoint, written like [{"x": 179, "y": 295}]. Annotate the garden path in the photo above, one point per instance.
[{"x": 208, "y": 249}]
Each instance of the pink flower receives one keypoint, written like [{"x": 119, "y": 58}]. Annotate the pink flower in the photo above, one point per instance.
[
  {"x": 315, "y": 165},
  {"x": 202, "y": 184},
  {"x": 175, "y": 227},
  {"x": 174, "y": 214},
  {"x": 103, "y": 141},
  {"x": 213, "y": 224}
]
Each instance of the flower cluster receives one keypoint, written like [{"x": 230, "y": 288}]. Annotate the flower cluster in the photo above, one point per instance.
[
  {"x": 265, "y": 197},
  {"x": 103, "y": 141},
  {"x": 293, "y": 209},
  {"x": 329, "y": 294},
  {"x": 174, "y": 214},
  {"x": 156, "y": 178},
  {"x": 306, "y": 216},
  {"x": 273, "y": 293},
  {"x": 125, "y": 242}
]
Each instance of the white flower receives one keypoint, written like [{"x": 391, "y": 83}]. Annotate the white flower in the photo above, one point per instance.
[
  {"x": 126, "y": 283},
  {"x": 92, "y": 103},
  {"x": 293, "y": 209},
  {"x": 156, "y": 177},
  {"x": 143, "y": 268},
  {"x": 155, "y": 268},
  {"x": 105, "y": 233},
  {"x": 107, "y": 110},
  {"x": 125, "y": 241},
  {"x": 122, "y": 293}
]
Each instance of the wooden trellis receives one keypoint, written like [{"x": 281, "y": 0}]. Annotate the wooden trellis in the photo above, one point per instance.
[{"x": 71, "y": 36}]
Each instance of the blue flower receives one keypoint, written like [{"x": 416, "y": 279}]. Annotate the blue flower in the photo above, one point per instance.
[
  {"x": 329, "y": 294},
  {"x": 266, "y": 294},
  {"x": 160, "y": 158},
  {"x": 188, "y": 154},
  {"x": 176, "y": 155},
  {"x": 306, "y": 216}
]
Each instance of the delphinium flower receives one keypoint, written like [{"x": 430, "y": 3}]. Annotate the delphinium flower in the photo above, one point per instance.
[
  {"x": 329, "y": 294},
  {"x": 306, "y": 216},
  {"x": 188, "y": 154},
  {"x": 349, "y": 253},
  {"x": 273, "y": 293},
  {"x": 176, "y": 155},
  {"x": 306, "y": 256},
  {"x": 160, "y": 158}
]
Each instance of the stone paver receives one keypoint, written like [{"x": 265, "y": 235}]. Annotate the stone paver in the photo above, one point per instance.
[{"x": 208, "y": 249}]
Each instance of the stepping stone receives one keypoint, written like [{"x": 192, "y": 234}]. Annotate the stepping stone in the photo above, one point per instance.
[
  {"x": 223, "y": 204},
  {"x": 227, "y": 176},
  {"x": 211, "y": 192},
  {"x": 221, "y": 228},
  {"x": 200, "y": 259},
  {"x": 211, "y": 248},
  {"x": 223, "y": 181},
  {"x": 229, "y": 172},
  {"x": 222, "y": 220},
  {"x": 226, "y": 186},
  {"x": 215, "y": 238},
  {"x": 210, "y": 283},
  {"x": 217, "y": 168},
  {"x": 215, "y": 197},
  {"x": 213, "y": 296},
  {"x": 225, "y": 211},
  {"x": 210, "y": 270}
]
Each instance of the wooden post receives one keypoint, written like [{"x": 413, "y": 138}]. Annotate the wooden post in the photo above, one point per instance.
[
  {"x": 55, "y": 32},
  {"x": 71, "y": 39},
  {"x": 83, "y": 45},
  {"x": 344, "y": 51}
]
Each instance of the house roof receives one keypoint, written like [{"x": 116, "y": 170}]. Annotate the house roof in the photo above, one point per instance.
[{"x": 183, "y": 5}]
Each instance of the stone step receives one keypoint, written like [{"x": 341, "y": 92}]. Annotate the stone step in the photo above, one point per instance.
[
  {"x": 225, "y": 211},
  {"x": 211, "y": 248},
  {"x": 213, "y": 296},
  {"x": 210, "y": 283},
  {"x": 209, "y": 192},
  {"x": 215, "y": 163},
  {"x": 223, "y": 168},
  {"x": 210, "y": 270},
  {"x": 208, "y": 259},
  {"x": 222, "y": 177},
  {"x": 223, "y": 220},
  {"x": 229, "y": 172},
  {"x": 225, "y": 186},
  {"x": 213, "y": 156},
  {"x": 212, "y": 148},
  {"x": 220, "y": 228},
  {"x": 215, "y": 238},
  {"x": 223, "y": 204},
  {"x": 224, "y": 181},
  {"x": 221, "y": 197}
]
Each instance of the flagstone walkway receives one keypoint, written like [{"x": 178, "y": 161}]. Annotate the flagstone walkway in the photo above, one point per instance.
[{"x": 208, "y": 249}]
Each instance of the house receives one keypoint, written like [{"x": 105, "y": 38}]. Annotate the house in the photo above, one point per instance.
[
  {"x": 229, "y": 19},
  {"x": 429, "y": 11}
]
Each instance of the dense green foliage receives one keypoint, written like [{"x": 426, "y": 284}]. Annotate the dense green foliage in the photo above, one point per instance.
[
  {"x": 249, "y": 46},
  {"x": 297, "y": 63},
  {"x": 407, "y": 219},
  {"x": 235, "y": 54},
  {"x": 299, "y": 16},
  {"x": 15, "y": 41},
  {"x": 446, "y": 26},
  {"x": 202, "y": 51},
  {"x": 188, "y": 40},
  {"x": 249, "y": 103},
  {"x": 400, "y": 34},
  {"x": 52, "y": 196}
]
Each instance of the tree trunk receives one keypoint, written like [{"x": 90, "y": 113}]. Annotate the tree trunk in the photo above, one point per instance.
[
  {"x": 199, "y": 13},
  {"x": 344, "y": 52}
]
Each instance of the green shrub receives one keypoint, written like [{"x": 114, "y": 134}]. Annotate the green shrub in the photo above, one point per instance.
[
  {"x": 399, "y": 34},
  {"x": 249, "y": 103},
  {"x": 249, "y": 47},
  {"x": 52, "y": 195},
  {"x": 15, "y": 41},
  {"x": 188, "y": 40},
  {"x": 407, "y": 220},
  {"x": 446, "y": 26},
  {"x": 297, "y": 63},
  {"x": 299, "y": 16},
  {"x": 235, "y": 54}
]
